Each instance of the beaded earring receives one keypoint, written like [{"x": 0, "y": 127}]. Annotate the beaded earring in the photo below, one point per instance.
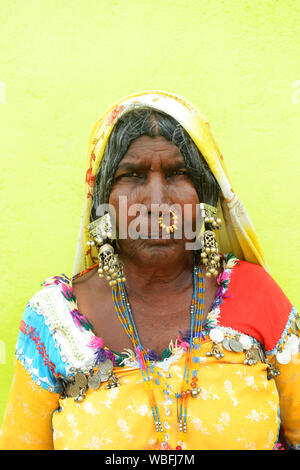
[
  {"x": 209, "y": 252},
  {"x": 110, "y": 265}
]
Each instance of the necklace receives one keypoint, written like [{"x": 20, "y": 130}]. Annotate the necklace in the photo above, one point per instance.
[{"x": 149, "y": 374}]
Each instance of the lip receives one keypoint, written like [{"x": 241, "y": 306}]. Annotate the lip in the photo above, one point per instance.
[
  {"x": 158, "y": 241},
  {"x": 159, "y": 235},
  {"x": 151, "y": 230}
]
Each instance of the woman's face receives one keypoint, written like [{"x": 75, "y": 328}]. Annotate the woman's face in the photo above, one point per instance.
[{"x": 152, "y": 175}]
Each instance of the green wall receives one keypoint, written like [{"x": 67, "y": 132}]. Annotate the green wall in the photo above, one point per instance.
[{"x": 64, "y": 62}]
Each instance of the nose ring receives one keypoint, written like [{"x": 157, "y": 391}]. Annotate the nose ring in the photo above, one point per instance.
[{"x": 173, "y": 220}]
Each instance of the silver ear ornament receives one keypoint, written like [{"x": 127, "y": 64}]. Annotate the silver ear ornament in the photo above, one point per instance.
[
  {"x": 110, "y": 265},
  {"x": 209, "y": 252}
]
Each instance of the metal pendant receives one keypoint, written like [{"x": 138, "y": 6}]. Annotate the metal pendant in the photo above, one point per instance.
[
  {"x": 113, "y": 381},
  {"x": 283, "y": 357},
  {"x": 246, "y": 342},
  {"x": 257, "y": 350},
  {"x": 105, "y": 370},
  {"x": 216, "y": 335},
  {"x": 235, "y": 345},
  {"x": 94, "y": 381},
  {"x": 215, "y": 351},
  {"x": 272, "y": 371},
  {"x": 295, "y": 325},
  {"x": 251, "y": 358},
  {"x": 195, "y": 392},
  {"x": 226, "y": 344},
  {"x": 77, "y": 386},
  {"x": 74, "y": 390},
  {"x": 103, "y": 374}
]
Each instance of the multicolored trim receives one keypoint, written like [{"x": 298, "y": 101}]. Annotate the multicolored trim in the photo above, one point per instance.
[
  {"x": 286, "y": 333},
  {"x": 289, "y": 342},
  {"x": 66, "y": 288},
  {"x": 35, "y": 346},
  {"x": 52, "y": 305},
  {"x": 101, "y": 353},
  {"x": 41, "y": 348}
]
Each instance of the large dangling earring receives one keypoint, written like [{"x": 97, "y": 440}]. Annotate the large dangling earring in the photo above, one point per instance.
[
  {"x": 110, "y": 265},
  {"x": 209, "y": 252}
]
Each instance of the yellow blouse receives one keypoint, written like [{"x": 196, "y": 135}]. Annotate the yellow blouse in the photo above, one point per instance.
[
  {"x": 239, "y": 405},
  {"x": 237, "y": 408}
]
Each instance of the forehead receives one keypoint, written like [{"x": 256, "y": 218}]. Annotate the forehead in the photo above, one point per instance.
[{"x": 145, "y": 149}]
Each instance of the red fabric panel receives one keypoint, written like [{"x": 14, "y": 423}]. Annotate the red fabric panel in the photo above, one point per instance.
[{"x": 257, "y": 305}]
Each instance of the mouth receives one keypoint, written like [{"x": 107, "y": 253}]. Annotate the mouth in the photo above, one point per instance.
[
  {"x": 157, "y": 242},
  {"x": 156, "y": 228},
  {"x": 163, "y": 240},
  {"x": 158, "y": 234}
]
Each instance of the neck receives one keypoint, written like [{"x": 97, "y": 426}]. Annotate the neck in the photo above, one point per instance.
[{"x": 157, "y": 280}]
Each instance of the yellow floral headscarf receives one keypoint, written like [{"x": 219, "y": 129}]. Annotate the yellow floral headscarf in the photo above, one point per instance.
[{"x": 237, "y": 233}]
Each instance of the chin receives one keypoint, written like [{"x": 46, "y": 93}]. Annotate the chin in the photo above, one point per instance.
[
  {"x": 154, "y": 250},
  {"x": 160, "y": 249}
]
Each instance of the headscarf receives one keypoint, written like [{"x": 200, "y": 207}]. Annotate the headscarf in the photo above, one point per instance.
[{"x": 236, "y": 235}]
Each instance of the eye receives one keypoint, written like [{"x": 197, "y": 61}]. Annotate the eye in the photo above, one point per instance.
[
  {"x": 177, "y": 173},
  {"x": 131, "y": 174}
]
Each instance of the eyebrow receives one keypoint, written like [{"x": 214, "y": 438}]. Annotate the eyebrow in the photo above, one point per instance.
[
  {"x": 131, "y": 166},
  {"x": 126, "y": 166}
]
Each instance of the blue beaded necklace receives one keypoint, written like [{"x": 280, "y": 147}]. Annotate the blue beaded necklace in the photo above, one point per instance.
[{"x": 124, "y": 313}]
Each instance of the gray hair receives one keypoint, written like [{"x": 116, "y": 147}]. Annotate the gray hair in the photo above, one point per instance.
[{"x": 150, "y": 122}]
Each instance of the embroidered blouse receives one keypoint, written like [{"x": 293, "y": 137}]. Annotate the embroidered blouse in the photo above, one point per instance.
[{"x": 248, "y": 375}]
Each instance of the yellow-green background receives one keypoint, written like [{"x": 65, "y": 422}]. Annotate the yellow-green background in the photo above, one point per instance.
[{"x": 64, "y": 62}]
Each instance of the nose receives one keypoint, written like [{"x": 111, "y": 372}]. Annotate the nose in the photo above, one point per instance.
[{"x": 155, "y": 191}]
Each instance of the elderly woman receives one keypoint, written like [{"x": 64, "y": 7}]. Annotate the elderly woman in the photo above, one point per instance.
[{"x": 171, "y": 334}]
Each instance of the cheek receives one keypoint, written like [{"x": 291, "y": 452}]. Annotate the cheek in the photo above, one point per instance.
[
  {"x": 186, "y": 196},
  {"x": 130, "y": 192},
  {"x": 122, "y": 197}
]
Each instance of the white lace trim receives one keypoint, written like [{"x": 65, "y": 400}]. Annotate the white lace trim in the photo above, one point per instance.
[
  {"x": 166, "y": 363},
  {"x": 71, "y": 342}
]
